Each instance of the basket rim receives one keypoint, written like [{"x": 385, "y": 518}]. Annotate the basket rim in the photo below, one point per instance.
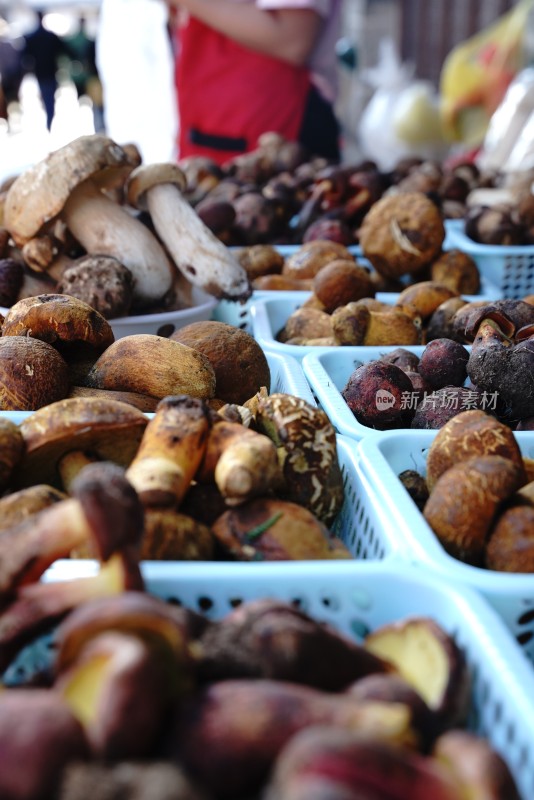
[
  {"x": 459, "y": 238},
  {"x": 471, "y": 611}
]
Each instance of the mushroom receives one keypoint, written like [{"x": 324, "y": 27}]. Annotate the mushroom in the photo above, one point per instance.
[
  {"x": 100, "y": 281},
  {"x": 75, "y": 329},
  {"x": 196, "y": 251},
  {"x": 170, "y": 451},
  {"x": 11, "y": 449},
  {"x": 172, "y": 536},
  {"x": 38, "y": 606},
  {"x": 11, "y": 279},
  {"x": 32, "y": 374},
  {"x": 141, "y": 401},
  {"x": 307, "y": 451},
  {"x": 153, "y": 365},
  {"x": 63, "y": 435},
  {"x": 103, "y": 511},
  {"x": 72, "y": 181},
  {"x": 17, "y": 506},
  {"x": 465, "y": 501}
]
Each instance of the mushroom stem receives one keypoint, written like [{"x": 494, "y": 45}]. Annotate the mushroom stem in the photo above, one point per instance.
[
  {"x": 197, "y": 252},
  {"x": 71, "y": 464},
  {"x": 104, "y": 227},
  {"x": 104, "y": 514},
  {"x": 170, "y": 451}
]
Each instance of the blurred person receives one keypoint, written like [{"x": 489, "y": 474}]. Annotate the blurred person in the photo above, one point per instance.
[
  {"x": 11, "y": 70},
  {"x": 42, "y": 52},
  {"x": 135, "y": 65},
  {"x": 82, "y": 56},
  {"x": 244, "y": 67}
]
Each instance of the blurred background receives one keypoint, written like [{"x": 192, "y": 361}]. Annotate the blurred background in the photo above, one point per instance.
[{"x": 381, "y": 41}]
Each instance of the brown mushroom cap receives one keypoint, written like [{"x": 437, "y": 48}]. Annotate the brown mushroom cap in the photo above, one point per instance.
[
  {"x": 106, "y": 429},
  {"x": 59, "y": 320},
  {"x": 32, "y": 374},
  {"x": 100, "y": 281},
  {"x": 39, "y": 193},
  {"x": 16, "y": 507},
  {"x": 146, "y": 176}
]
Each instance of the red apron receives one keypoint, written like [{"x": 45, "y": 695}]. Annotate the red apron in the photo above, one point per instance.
[{"x": 229, "y": 95}]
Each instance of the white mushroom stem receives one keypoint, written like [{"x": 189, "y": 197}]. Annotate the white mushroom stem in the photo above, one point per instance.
[
  {"x": 204, "y": 260},
  {"x": 103, "y": 227}
]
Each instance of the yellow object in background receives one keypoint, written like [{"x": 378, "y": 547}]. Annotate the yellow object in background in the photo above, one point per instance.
[{"x": 477, "y": 72}]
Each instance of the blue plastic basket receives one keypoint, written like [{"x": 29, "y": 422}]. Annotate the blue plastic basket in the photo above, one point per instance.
[
  {"x": 510, "y": 268},
  {"x": 383, "y": 457},
  {"x": 358, "y": 597},
  {"x": 328, "y": 372}
]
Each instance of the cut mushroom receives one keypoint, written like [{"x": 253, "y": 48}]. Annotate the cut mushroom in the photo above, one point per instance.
[{"x": 196, "y": 251}]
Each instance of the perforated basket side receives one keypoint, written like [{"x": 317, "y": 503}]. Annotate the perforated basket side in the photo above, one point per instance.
[
  {"x": 358, "y": 598},
  {"x": 510, "y": 268},
  {"x": 287, "y": 377},
  {"x": 360, "y": 524},
  {"x": 382, "y": 458}
]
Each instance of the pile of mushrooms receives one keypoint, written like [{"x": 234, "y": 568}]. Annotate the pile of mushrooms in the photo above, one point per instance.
[{"x": 92, "y": 221}]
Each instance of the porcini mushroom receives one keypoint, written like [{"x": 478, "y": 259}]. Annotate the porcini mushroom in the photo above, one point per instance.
[
  {"x": 71, "y": 182},
  {"x": 153, "y": 365},
  {"x": 75, "y": 329},
  {"x": 195, "y": 250},
  {"x": 104, "y": 511},
  {"x": 170, "y": 451},
  {"x": 91, "y": 428},
  {"x": 32, "y": 374},
  {"x": 102, "y": 282}
]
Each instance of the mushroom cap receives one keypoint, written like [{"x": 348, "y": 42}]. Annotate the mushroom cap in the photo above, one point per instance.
[
  {"x": 32, "y": 374},
  {"x": 40, "y": 192},
  {"x": 58, "y": 319},
  {"x": 144, "y": 177},
  {"x": 108, "y": 429},
  {"x": 100, "y": 281}
]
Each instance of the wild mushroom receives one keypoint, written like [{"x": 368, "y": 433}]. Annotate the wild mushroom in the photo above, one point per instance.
[
  {"x": 153, "y": 365},
  {"x": 170, "y": 451},
  {"x": 71, "y": 182},
  {"x": 196, "y": 251},
  {"x": 39, "y": 605},
  {"x": 465, "y": 501},
  {"x": 72, "y": 432},
  {"x": 38, "y": 194},
  {"x": 307, "y": 451},
  {"x": 17, "y": 506},
  {"x": 75, "y": 329},
  {"x": 103, "y": 511},
  {"x": 32, "y": 374},
  {"x": 11, "y": 449},
  {"x": 11, "y": 278},
  {"x": 102, "y": 282}
]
